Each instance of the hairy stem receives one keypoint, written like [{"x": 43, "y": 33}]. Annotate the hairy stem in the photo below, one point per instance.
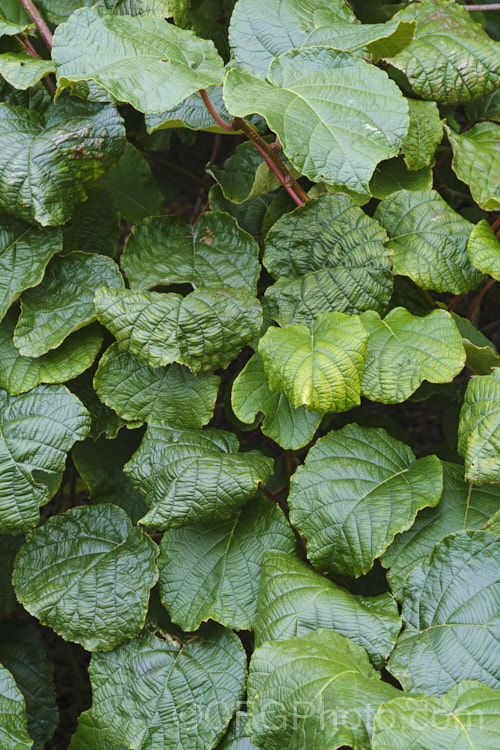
[{"x": 37, "y": 19}]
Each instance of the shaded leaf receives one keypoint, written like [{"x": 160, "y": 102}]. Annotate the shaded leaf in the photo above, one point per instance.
[
  {"x": 320, "y": 367},
  {"x": 358, "y": 488},
  {"x": 204, "y": 330},
  {"x": 94, "y": 226},
  {"x": 479, "y": 428},
  {"x": 212, "y": 253},
  {"x": 13, "y": 18},
  {"x": 424, "y": 134},
  {"x": 294, "y": 600},
  {"x": 485, "y": 109},
  {"x": 13, "y": 727},
  {"x": 476, "y": 161},
  {"x": 147, "y": 62},
  {"x": 201, "y": 680},
  {"x": 49, "y": 162},
  {"x": 87, "y": 573},
  {"x": 88, "y": 735},
  {"x": 9, "y": 546},
  {"x": 393, "y": 175},
  {"x": 291, "y": 428},
  {"x": 162, "y": 394},
  {"x": 191, "y": 113},
  {"x": 212, "y": 570},
  {"x": 190, "y": 475},
  {"x": 37, "y": 430},
  {"x": 236, "y": 737},
  {"x": 103, "y": 420},
  {"x": 22, "y": 70},
  {"x": 450, "y": 613},
  {"x": 63, "y": 302},
  {"x": 429, "y": 241}
]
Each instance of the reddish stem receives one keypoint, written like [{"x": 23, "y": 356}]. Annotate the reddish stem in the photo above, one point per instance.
[
  {"x": 278, "y": 174},
  {"x": 496, "y": 223},
  {"x": 218, "y": 119},
  {"x": 482, "y": 8},
  {"x": 455, "y": 302},
  {"x": 36, "y": 17},
  {"x": 480, "y": 296},
  {"x": 26, "y": 44}
]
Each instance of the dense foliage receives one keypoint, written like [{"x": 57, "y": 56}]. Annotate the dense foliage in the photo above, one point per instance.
[{"x": 249, "y": 450}]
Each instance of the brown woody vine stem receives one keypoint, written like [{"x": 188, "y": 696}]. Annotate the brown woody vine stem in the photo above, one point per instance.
[
  {"x": 486, "y": 288},
  {"x": 266, "y": 150},
  {"x": 482, "y": 8},
  {"x": 37, "y": 19}
]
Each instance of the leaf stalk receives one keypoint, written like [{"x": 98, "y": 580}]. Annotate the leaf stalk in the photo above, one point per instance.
[{"x": 39, "y": 22}]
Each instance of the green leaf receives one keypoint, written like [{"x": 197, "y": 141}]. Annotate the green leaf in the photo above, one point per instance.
[
  {"x": 22, "y": 70},
  {"x": 63, "y": 302},
  {"x": 94, "y": 226},
  {"x": 320, "y": 367},
  {"x": 25, "y": 250},
  {"x": 462, "y": 506},
  {"x": 103, "y": 420},
  {"x": 146, "y": 62},
  {"x": 163, "y": 394},
  {"x": 198, "y": 683},
  {"x": 484, "y": 249},
  {"x": 393, "y": 175},
  {"x": 380, "y": 39},
  {"x": 294, "y": 600},
  {"x": 37, "y": 430},
  {"x": 291, "y": 428},
  {"x": 23, "y": 653},
  {"x": 36, "y": 97},
  {"x": 87, "y": 574},
  {"x": 49, "y": 163},
  {"x": 191, "y": 475},
  {"x": 132, "y": 185},
  {"x": 429, "y": 241},
  {"x": 204, "y": 330},
  {"x": 493, "y": 525},
  {"x": 260, "y": 31},
  {"x": 13, "y": 727},
  {"x": 212, "y": 253},
  {"x": 19, "y": 374},
  {"x": 479, "y": 428},
  {"x": 472, "y": 708},
  {"x": 319, "y": 86},
  {"x": 476, "y": 161},
  {"x": 13, "y": 18},
  {"x": 424, "y": 134},
  {"x": 357, "y": 489},
  {"x": 212, "y": 570},
  {"x": 236, "y": 737},
  {"x": 248, "y": 214},
  {"x": 336, "y": 254},
  {"x": 9, "y": 546},
  {"x": 100, "y": 464},
  {"x": 404, "y": 350},
  {"x": 88, "y": 735},
  {"x": 191, "y": 113},
  {"x": 485, "y": 109},
  {"x": 317, "y": 691},
  {"x": 450, "y": 613}
]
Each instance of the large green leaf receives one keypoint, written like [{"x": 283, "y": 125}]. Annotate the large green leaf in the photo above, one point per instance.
[
  {"x": 349, "y": 106},
  {"x": 25, "y": 250},
  {"x": 450, "y": 614},
  {"x": 465, "y": 717},
  {"x": 357, "y": 489},
  {"x": 320, "y": 367},
  {"x": 212, "y": 253},
  {"x": 94, "y": 226},
  {"x": 404, "y": 350},
  {"x": 9, "y": 546},
  {"x": 87, "y": 574},
  {"x": 13, "y": 18},
  {"x": 393, "y": 175},
  {"x": 100, "y": 464},
  {"x": 19, "y": 374},
  {"x": 157, "y": 692},
  {"x": 13, "y": 726},
  {"x": 429, "y": 241},
  {"x": 484, "y": 249},
  {"x": 294, "y": 600},
  {"x": 204, "y": 330},
  {"x": 317, "y": 691},
  {"x": 451, "y": 60},
  {"x": 462, "y": 506},
  {"x": 63, "y": 302},
  {"x": 103, "y": 420},
  {"x": 291, "y": 428},
  {"x": 424, "y": 134},
  {"x": 89, "y": 736},
  {"x": 336, "y": 251},
  {"x": 49, "y": 162},
  {"x": 22, "y": 70},
  {"x": 212, "y": 570},
  {"x": 479, "y": 429},
  {"x": 260, "y": 30},
  {"x": 379, "y": 39},
  {"x": 37, "y": 430},
  {"x": 236, "y": 737},
  {"x": 485, "y": 109},
  {"x": 476, "y": 161},
  {"x": 191, "y": 475},
  {"x": 162, "y": 394},
  {"x": 23, "y": 653},
  {"x": 147, "y": 62},
  {"x": 191, "y": 113},
  {"x": 133, "y": 186}
]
